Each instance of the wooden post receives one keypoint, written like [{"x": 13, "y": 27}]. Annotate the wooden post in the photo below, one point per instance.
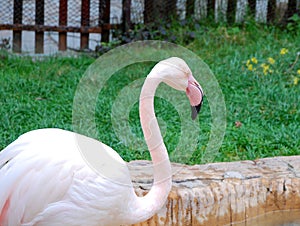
[
  {"x": 211, "y": 7},
  {"x": 85, "y": 22},
  {"x": 251, "y": 5},
  {"x": 157, "y": 11},
  {"x": 292, "y": 8},
  {"x": 271, "y": 14},
  {"x": 148, "y": 17},
  {"x": 126, "y": 21},
  {"x": 63, "y": 17},
  {"x": 104, "y": 19},
  {"x": 231, "y": 11},
  {"x": 190, "y": 8},
  {"x": 17, "y": 35},
  {"x": 39, "y": 20}
]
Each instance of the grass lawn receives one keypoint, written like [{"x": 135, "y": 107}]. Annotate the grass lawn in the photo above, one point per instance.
[{"x": 257, "y": 69}]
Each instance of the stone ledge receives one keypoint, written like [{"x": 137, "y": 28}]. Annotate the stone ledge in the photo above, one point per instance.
[{"x": 223, "y": 193}]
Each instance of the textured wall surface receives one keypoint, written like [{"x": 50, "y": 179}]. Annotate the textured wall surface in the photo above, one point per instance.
[{"x": 223, "y": 193}]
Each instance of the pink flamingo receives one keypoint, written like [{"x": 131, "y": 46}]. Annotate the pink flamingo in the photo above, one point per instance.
[{"x": 44, "y": 180}]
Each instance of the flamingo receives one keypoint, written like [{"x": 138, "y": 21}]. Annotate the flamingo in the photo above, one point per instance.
[{"x": 44, "y": 180}]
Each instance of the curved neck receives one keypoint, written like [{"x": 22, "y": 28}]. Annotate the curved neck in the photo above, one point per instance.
[{"x": 157, "y": 196}]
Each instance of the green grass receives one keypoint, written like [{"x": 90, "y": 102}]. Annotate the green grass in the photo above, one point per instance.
[
  {"x": 268, "y": 106},
  {"x": 39, "y": 94}
]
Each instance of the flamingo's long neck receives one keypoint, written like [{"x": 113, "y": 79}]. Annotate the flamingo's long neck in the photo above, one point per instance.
[{"x": 157, "y": 196}]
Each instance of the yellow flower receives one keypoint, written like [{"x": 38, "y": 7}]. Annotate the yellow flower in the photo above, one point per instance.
[
  {"x": 250, "y": 67},
  {"x": 266, "y": 68},
  {"x": 283, "y": 51},
  {"x": 298, "y": 71},
  {"x": 296, "y": 80},
  {"x": 271, "y": 60},
  {"x": 254, "y": 60},
  {"x": 248, "y": 63}
]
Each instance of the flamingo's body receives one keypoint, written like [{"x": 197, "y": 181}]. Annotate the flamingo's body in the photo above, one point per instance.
[
  {"x": 45, "y": 181},
  {"x": 50, "y": 175}
]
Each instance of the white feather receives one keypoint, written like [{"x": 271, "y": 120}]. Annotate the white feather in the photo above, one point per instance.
[{"x": 48, "y": 179}]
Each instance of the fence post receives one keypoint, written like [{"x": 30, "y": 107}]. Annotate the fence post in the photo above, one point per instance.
[
  {"x": 157, "y": 12},
  {"x": 126, "y": 21},
  {"x": 39, "y": 20},
  {"x": 85, "y": 22},
  {"x": 17, "y": 35},
  {"x": 104, "y": 19},
  {"x": 63, "y": 17},
  {"x": 251, "y": 7},
  {"x": 190, "y": 8},
  {"x": 148, "y": 17},
  {"x": 292, "y": 8},
  {"x": 231, "y": 11}
]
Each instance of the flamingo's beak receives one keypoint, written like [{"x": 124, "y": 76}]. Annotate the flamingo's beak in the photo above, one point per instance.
[
  {"x": 196, "y": 110},
  {"x": 195, "y": 95}
]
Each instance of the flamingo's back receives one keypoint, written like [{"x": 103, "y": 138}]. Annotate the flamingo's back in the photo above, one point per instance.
[{"x": 43, "y": 176}]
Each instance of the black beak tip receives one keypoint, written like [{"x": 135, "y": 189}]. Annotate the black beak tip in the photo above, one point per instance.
[{"x": 195, "y": 110}]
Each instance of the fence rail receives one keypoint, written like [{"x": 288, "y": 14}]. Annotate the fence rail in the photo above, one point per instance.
[
  {"x": 39, "y": 26},
  {"x": 75, "y": 16}
]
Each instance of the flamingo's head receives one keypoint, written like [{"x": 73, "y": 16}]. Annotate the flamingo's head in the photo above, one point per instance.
[{"x": 177, "y": 74}]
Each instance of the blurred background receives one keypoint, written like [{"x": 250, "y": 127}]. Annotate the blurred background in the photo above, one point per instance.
[{"x": 49, "y": 26}]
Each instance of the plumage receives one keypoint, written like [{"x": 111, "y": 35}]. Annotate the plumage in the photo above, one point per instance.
[
  {"x": 58, "y": 186},
  {"x": 45, "y": 180}
]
